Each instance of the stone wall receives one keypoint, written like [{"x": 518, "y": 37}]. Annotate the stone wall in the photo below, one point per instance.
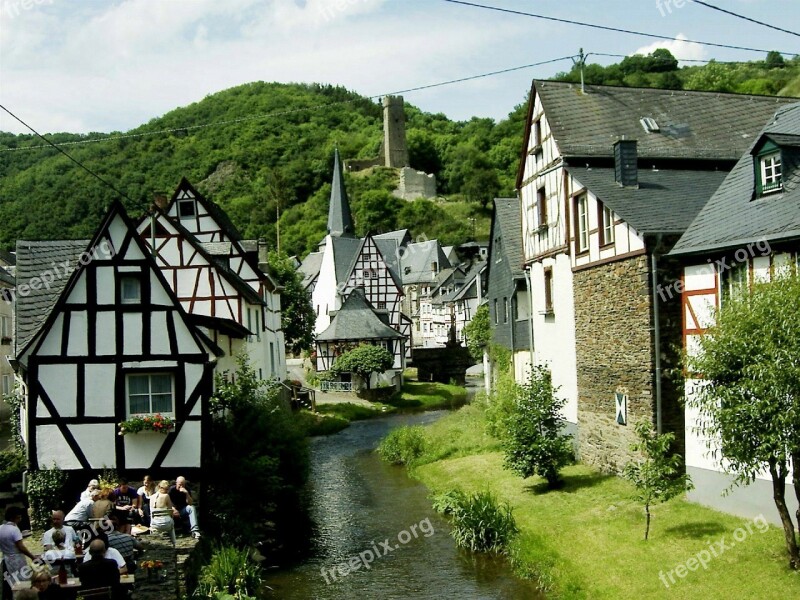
[
  {"x": 415, "y": 184},
  {"x": 613, "y": 315}
]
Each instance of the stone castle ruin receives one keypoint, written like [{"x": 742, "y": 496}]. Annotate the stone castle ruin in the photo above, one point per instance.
[{"x": 393, "y": 153}]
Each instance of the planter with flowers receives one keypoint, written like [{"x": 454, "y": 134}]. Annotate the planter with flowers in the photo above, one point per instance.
[
  {"x": 157, "y": 423},
  {"x": 153, "y": 569}
]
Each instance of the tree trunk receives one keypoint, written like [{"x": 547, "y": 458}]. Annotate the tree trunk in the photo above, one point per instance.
[
  {"x": 778, "y": 473},
  {"x": 796, "y": 480},
  {"x": 647, "y": 526}
]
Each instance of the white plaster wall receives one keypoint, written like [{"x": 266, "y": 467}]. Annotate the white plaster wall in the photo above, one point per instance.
[
  {"x": 185, "y": 452},
  {"x": 106, "y": 334},
  {"x": 59, "y": 382},
  {"x": 52, "y": 449},
  {"x": 159, "y": 342},
  {"x": 554, "y": 335},
  {"x": 106, "y": 286},
  {"x": 99, "y": 398},
  {"x": 132, "y": 333},
  {"x": 325, "y": 296}
]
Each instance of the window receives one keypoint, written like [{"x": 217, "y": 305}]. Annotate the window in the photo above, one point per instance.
[
  {"x": 186, "y": 209},
  {"x": 5, "y": 328},
  {"x": 735, "y": 279},
  {"x": 548, "y": 290},
  {"x": 130, "y": 289},
  {"x": 541, "y": 204},
  {"x": 537, "y": 132},
  {"x": 381, "y": 305},
  {"x": 272, "y": 358},
  {"x": 258, "y": 325},
  {"x": 7, "y": 385},
  {"x": 771, "y": 170},
  {"x": 150, "y": 393},
  {"x": 496, "y": 314},
  {"x": 505, "y": 310},
  {"x": 582, "y": 223},
  {"x": 417, "y": 325},
  {"x": 606, "y": 219}
]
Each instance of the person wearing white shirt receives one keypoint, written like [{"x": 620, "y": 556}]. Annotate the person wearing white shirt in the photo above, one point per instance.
[
  {"x": 70, "y": 537},
  {"x": 114, "y": 555}
]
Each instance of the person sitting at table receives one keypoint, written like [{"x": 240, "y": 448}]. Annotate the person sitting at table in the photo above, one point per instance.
[
  {"x": 125, "y": 500},
  {"x": 42, "y": 582},
  {"x": 162, "y": 513},
  {"x": 104, "y": 505},
  {"x": 147, "y": 489},
  {"x": 183, "y": 503},
  {"x": 123, "y": 543},
  {"x": 82, "y": 511},
  {"x": 59, "y": 552},
  {"x": 70, "y": 537},
  {"x": 99, "y": 571},
  {"x": 87, "y": 493}
]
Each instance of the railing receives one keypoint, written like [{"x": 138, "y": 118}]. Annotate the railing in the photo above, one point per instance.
[{"x": 336, "y": 386}]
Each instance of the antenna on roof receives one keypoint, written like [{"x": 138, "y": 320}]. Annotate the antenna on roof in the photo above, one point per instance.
[{"x": 581, "y": 62}]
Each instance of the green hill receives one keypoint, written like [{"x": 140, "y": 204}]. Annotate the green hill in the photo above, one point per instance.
[{"x": 253, "y": 164}]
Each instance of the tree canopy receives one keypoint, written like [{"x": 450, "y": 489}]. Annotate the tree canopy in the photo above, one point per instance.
[{"x": 363, "y": 360}]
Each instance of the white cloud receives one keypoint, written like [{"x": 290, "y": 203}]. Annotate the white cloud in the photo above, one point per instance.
[{"x": 680, "y": 48}]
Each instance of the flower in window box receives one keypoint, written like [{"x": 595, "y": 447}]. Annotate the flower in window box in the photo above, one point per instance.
[{"x": 157, "y": 422}]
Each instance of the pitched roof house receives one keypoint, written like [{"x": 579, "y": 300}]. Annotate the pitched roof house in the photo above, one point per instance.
[
  {"x": 608, "y": 180},
  {"x": 747, "y": 230}
]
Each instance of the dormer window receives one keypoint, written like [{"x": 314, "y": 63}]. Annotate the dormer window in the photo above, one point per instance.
[{"x": 771, "y": 172}]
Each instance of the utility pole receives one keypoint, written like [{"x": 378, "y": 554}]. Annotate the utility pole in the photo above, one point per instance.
[{"x": 581, "y": 62}]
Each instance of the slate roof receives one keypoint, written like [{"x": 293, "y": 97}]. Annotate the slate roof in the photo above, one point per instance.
[
  {"x": 35, "y": 258},
  {"x": 666, "y": 201},
  {"x": 732, "y": 216},
  {"x": 400, "y": 236},
  {"x": 310, "y": 267},
  {"x": 357, "y": 320},
  {"x": 415, "y": 264},
  {"x": 345, "y": 252},
  {"x": 219, "y": 215},
  {"x": 216, "y": 248},
  {"x": 508, "y": 218},
  {"x": 6, "y": 277},
  {"x": 389, "y": 250},
  {"x": 8, "y": 258},
  {"x": 691, "y": 123},
  {"x": 340, "y": 221}
]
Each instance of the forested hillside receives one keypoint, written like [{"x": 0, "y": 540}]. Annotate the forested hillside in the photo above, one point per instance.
[
  {"x": 272, "y": 154},
  {"x": 252, "y": 165}
]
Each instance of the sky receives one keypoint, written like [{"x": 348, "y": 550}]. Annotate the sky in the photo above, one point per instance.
[{"x": 110, "y": 65}]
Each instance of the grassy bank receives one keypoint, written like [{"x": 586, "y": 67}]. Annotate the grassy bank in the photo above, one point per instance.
[
  {"x": 414, "y": 396},
  {"x": 586, "y": 540}
]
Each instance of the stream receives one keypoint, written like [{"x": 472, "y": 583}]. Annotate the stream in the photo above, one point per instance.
[{"x": 380, "y": 521}]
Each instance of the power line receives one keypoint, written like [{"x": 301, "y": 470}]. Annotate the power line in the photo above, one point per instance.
[
  {"x": 728, "y": 12},
  {"x": 75, "y": 160},
  {"x": 665, "y": 59},
  {"x": 608, "y": 28},
  {"x": 188, "y": 128}
]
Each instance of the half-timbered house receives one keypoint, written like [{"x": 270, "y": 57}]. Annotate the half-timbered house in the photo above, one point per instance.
[
  {"x": 223, "y": 287},
  {"x": 346, "y": 262},
  {"x": 748, "y": 231},
  {"x": 103, "y": 338},
  {"x": 609, "y": 178}
]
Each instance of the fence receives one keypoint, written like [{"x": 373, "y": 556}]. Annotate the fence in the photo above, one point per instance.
[{"x": 336, "y": 386}]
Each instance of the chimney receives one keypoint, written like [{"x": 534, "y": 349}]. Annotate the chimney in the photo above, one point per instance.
[
  {"x": 161, "y": 200},
  {"x": 626, "y": 156},
  {"x": 262, "y": 251}
]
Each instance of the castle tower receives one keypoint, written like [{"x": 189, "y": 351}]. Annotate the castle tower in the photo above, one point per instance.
[
  {"x": 340, "y": 221},
  {"x": 394, "y": 132}
]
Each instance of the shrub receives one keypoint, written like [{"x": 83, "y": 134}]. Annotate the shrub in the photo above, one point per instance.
[
  {"x": 535, "y": 443},
  {"x": 45, "y": 491},
  {"x": 12, "y": 464},
  {"x": 231, "y": 573},
  {"x": 480, "y": 522},
  {"x": 403, "y": 445}
]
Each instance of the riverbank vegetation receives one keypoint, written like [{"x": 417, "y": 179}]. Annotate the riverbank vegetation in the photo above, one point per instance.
[{"x": 584, "y": 540}]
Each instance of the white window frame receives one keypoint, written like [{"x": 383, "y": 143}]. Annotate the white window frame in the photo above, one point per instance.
[
  {"x": 126, "y": 277},
  {"x": 771, "y": 168},
  {"x": 582, "y": 221},
  {"x": 607, "y": 225},
  {"x": 128, "y": 377},
  {"x": 8, "y": 384}
]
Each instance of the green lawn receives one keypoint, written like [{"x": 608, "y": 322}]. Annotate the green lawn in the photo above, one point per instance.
[
  {"x": 586, "y": 540},
  {"x": 423, "y": 395}
]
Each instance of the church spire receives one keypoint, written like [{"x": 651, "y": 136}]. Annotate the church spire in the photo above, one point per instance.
[{"x": 340, "y": 222}]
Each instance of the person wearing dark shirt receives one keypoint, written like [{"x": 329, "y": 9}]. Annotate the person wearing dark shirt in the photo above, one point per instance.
[
  {"x": 125, "y": 500},
  {"x": 100, "y": 572},
  {"x": 183, "y": 503}
]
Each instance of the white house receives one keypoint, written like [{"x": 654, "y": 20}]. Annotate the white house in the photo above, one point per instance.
[
  {"x": 746, "y": 232},
  {"x": 101, "y": 338}
]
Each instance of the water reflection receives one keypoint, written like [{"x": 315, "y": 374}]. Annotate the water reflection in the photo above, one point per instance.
[{"x": 360, "y": 504}]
